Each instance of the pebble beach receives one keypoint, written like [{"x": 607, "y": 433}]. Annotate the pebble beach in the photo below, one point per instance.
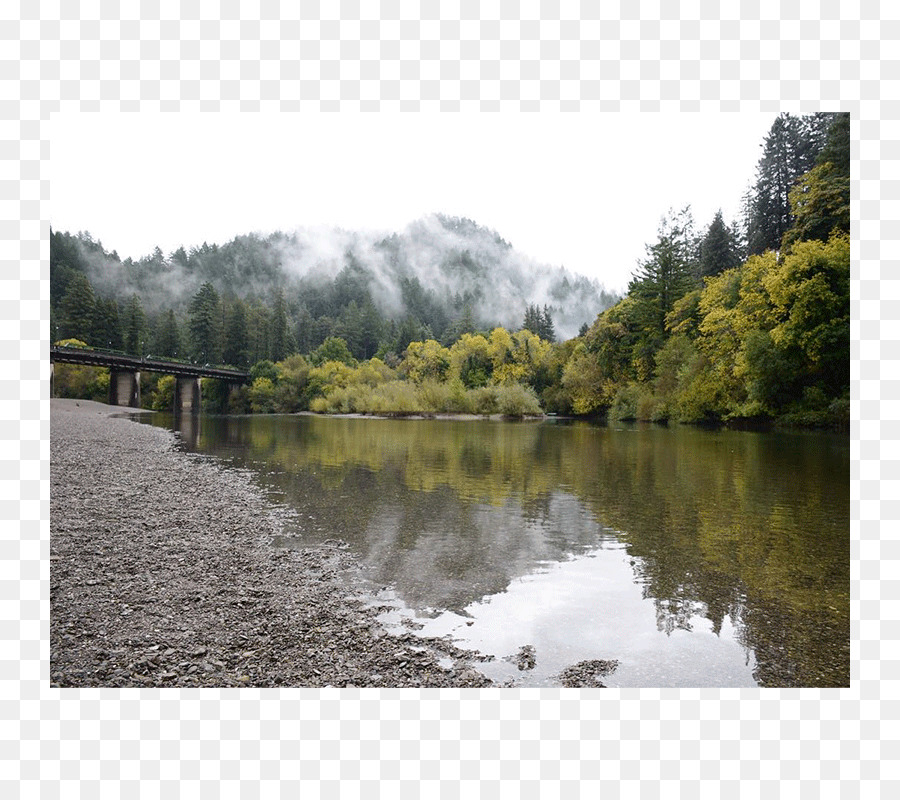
[{"x": 163, "y": 573}]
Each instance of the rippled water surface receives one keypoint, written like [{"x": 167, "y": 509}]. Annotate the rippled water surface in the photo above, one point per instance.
[{"x": 691, "y": 557}]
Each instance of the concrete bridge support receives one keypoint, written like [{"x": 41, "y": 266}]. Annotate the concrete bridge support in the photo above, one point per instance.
[
  {"x": 187, "y": 395},
  {"x": 124, "y": 388}
]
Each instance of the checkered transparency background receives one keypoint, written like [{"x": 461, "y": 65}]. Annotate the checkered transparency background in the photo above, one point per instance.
[{"x": 548, "y": 56}]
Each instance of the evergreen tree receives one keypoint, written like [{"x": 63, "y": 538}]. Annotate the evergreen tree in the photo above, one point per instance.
[
  {"x": 547, "y": 331},
  {"x": 76, "y": 310},
  {"x": 281, "y": 342},
  {"x": 206, "y": 325},
  {"x": 532, "y": 321},
  {"x": 790, "y": 149},
  {"x": 305, "y": 330},
  {"x": 667, "y": 274},
  {"x": 107, "y": 327},
  {"x": 739, "y": 241},
  {"x": 836, "y": 150},
  {"x": 464, "y": 323},
  {"x": 65, "y": 260},
  {"x": 349, "y": 328},
  {"x": 814, "y": 136},
  {"x": 820, "y": 201},
  {"x": 717, "y": 249},
  {"x": 258, "y": 324},
  {"x": 411, "y": 330},
  {"x": 167, "y": 342},
  {"x": 179, "y": 257},
  {"x": 135, "y": 327},
  {"x": 235, "y": 348},
  {"x": 371, "y": 330}
]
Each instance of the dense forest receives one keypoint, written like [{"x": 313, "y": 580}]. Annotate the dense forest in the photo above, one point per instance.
[
  {"x": 748, "y": 321},
  {"x": 269, "y": 297}
]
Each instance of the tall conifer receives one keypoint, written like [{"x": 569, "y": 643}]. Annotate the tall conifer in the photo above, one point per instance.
[{"x": 206, "y": 325}]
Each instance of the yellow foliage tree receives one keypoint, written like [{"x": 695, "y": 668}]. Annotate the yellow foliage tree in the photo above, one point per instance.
[{"x": 426, "y": 360}]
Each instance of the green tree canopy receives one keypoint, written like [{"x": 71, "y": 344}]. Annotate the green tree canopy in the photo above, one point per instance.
[{"x": 333, "y": 349}]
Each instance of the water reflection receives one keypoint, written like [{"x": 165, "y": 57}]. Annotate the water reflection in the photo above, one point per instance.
[{"x": 694, "y": 557}]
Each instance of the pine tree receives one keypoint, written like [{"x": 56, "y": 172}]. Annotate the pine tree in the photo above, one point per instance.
[
  {"x": 107, "y": 326},
  {"x": 668, "y": 272},
  {"x": 820, "y": 201},
  {"x": 532, "y": 321},
  {"x": 167, "y": 342},
  {"x": 235, "y": 348},
  {"x": 547, "y": 331},
  {"x": 305, "y": 330},
  {"x": 790, "y": 149},
  {"x": 135, "y": 327},
  {"x": 411, "y": 330},
  {"x": 258, "y": 324},
  {"x": 77, "y": 310},
  {"x": 464, "y": 323},
  {"x": 350, "y": 328},
  {"x": 717, "y": 249},
  {"x": 836, "y": 150},
  {"x": 206, "y": 325},
  {"x": 372, "y": 326},
  {"x": 281, "y": 341}
]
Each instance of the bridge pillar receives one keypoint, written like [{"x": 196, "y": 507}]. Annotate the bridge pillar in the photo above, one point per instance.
[
  {"x": 187, "y": 395},
  {"x": 124, "y": 387},
  {"x": 52, "y": 394}
]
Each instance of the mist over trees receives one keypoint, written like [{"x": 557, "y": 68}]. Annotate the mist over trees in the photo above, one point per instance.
[
  {"x": 284, "y": 293},
  {"x": 747, "y": 320}
]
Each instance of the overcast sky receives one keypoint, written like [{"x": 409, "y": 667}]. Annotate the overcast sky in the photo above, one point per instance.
[{"x": 585, "y": 191}]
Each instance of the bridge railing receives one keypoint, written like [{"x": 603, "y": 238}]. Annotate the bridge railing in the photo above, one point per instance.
[{"x": 103, "y": 357}]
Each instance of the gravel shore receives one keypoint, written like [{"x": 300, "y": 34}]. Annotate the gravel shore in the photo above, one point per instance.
[{"x": 163, "y": 573}]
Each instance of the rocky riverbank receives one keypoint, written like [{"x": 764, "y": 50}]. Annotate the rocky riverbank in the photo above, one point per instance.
[{"x": 163, "y": 573}]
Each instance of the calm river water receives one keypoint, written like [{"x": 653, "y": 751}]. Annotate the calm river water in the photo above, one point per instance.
[{"x": 692, "y": 557}]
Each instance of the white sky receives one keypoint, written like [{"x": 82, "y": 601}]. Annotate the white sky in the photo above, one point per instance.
[{"x": 585, "y": 191}]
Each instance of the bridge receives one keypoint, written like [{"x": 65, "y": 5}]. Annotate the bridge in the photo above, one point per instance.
[{"x": 125, "y": 374}]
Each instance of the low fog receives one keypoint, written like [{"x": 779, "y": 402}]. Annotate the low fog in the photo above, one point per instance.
[{"x": 458, "y": 265}]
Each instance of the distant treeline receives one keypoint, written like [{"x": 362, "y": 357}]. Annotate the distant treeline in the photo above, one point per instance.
[
  {"x": 748, "y": 321},
  {"x": 260, "y": 298}
]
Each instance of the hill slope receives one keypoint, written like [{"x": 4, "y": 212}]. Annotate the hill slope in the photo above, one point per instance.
[{"x": 438, "y": 271}]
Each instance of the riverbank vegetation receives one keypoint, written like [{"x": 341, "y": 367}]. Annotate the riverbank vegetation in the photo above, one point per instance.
[{"x": 741, "y": 323}]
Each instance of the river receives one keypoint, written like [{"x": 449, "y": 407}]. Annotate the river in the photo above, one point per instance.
[{"x": 690, "y": 557}]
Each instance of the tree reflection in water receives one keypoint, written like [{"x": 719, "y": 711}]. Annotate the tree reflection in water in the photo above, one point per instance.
[{"x": 746, "y": 528}]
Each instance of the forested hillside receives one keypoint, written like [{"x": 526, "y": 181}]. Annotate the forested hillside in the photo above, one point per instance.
[
  {"x": 268, "y": 297},
  {"x": 731, "y": 326},
  {"x": 740, "y": 320}
]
